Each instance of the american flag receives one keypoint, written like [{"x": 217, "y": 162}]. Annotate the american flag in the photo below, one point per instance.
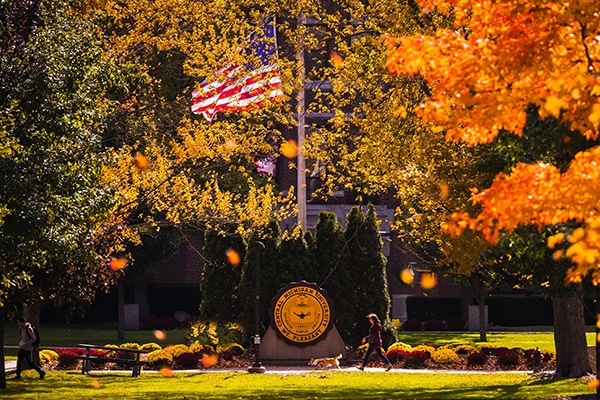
[{"x": 235, "y": 88}]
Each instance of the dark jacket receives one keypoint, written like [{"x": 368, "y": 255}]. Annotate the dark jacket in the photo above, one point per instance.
[{"x": 375, "y": 336}]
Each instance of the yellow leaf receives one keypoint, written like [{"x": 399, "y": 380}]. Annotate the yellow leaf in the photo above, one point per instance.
[
  {"x": 428, "y": 280},
  {"x": 407, "y": 275},
  {"x": 233, "y": 257},
  {"x": 289, "y": 149}
]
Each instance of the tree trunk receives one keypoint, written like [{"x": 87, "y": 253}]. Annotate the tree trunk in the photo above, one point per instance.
[
  {"x": 31, "y": 312},
  {"x": 121, "y": 311},
  {"x": 479, "y": 294},
  {"x": 2, "y": 366},
  {"x": 569, "y": 336}
]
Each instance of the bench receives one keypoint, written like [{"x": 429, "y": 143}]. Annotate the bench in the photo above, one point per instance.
[{"x": 88, "y": 358}]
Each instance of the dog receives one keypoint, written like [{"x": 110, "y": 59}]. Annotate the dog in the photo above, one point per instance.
[{"x": 326, "y": 362}]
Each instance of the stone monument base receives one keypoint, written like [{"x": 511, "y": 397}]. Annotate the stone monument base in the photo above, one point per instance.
[{"x": 276, "y": 351}]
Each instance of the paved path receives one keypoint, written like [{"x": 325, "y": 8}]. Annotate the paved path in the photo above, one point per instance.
[{"x": 11, "y": 365}]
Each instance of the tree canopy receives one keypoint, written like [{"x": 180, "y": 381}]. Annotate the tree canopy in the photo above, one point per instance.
[{"x": 484, "y": 72}]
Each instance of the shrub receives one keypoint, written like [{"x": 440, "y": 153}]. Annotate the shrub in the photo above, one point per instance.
[
  {"x": 68, "y": 357},
  {"x": 177, "y": 349},
  {"x": 412, "y": 324},
  {"x": 134, "y": 346},
  {"x": 549, "y": 355},
  {"x": 519, "y": 351},
  {"x": 112, "y": 346},
  {"x": 529, "y": 356},
  {"x": 465, "y": 349},
  {"x": 455, "y": 324},
  {"x": 127, "y": 355},
  {"x": 500, "y": 350},
  {"x": 487, "y": 348},
  {"x": 233, "y": 348},
  {"x": 48, "y": 356},
  {"x": 477, "y": 358},
  {"x": 400, "y": 346},
  {"x": 229, "y": 352},
  {"x": 415, "y": 359},
  {"x": 508, "y": 357},
  {"x": 151, "y": 346},
  {"x": 187, "y": 360},
  {"x": 445, "y": 356},
  {"x": 429, "y": 350},
  {"x": 160, "y": 358},
  {"x": 198, "y": 348},
  {"x": 362, "y": 349},
  {"x": 213, "y": 334},
  {"x": 396, "y": 355},
  {"x": 433, "y": 325}
]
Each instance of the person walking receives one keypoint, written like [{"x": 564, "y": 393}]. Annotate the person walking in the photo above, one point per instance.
[
  {"x": 374, "y": 340},
  {"x": 26, "y": 347}
]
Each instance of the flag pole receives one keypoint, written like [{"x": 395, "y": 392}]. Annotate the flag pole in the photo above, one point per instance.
[{"x": 301, "y": 190}]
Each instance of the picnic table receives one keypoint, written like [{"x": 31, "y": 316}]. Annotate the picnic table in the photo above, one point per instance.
[{"x": 88, "y": 358}]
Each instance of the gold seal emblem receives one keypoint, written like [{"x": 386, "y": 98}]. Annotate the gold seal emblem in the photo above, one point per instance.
[{"x": 301, "y": 313}]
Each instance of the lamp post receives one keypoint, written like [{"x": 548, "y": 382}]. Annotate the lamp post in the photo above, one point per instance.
[{"x": 257, "y": 367}]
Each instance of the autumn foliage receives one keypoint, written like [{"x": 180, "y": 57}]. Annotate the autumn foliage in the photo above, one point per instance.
[{"x": 498, "y": 59}]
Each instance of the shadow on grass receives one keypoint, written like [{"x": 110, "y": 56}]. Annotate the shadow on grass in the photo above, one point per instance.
[{"x": 241, "y": 385}]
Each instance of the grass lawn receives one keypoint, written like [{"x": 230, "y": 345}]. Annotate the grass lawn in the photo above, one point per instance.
[
  {"x": 348, "y": 384},
  {"x": 524, "y": 340},
  {"x": 312, "y": 385}
]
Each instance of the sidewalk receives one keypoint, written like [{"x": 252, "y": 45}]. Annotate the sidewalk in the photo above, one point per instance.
[{"x": 11, "y": 365}]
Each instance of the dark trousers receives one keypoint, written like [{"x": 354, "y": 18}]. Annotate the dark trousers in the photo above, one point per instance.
[
  {"x": 25, "y": 355},
  {"x": 379, "y": 352}
]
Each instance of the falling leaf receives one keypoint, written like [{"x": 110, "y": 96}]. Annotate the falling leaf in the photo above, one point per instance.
[
  {"x": 407, "y": 275},
  {"x": 289, "y": 149},
  {"x": 337, "y": 60},
  {"x": 209, "y": 360},
  {"x": 444, "y": 191},
  {"x": 233, "y": 257},
  {"x": 117, "y": 264},
  {"x": 428, "y": 280},
  {"x": 230, "y": 144},
  {"x": 167, "y": 372},
  {"x": 96, "y": 384},
  {"x": 160, "y": 335},
  {"x": 141, "y": 160}
]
